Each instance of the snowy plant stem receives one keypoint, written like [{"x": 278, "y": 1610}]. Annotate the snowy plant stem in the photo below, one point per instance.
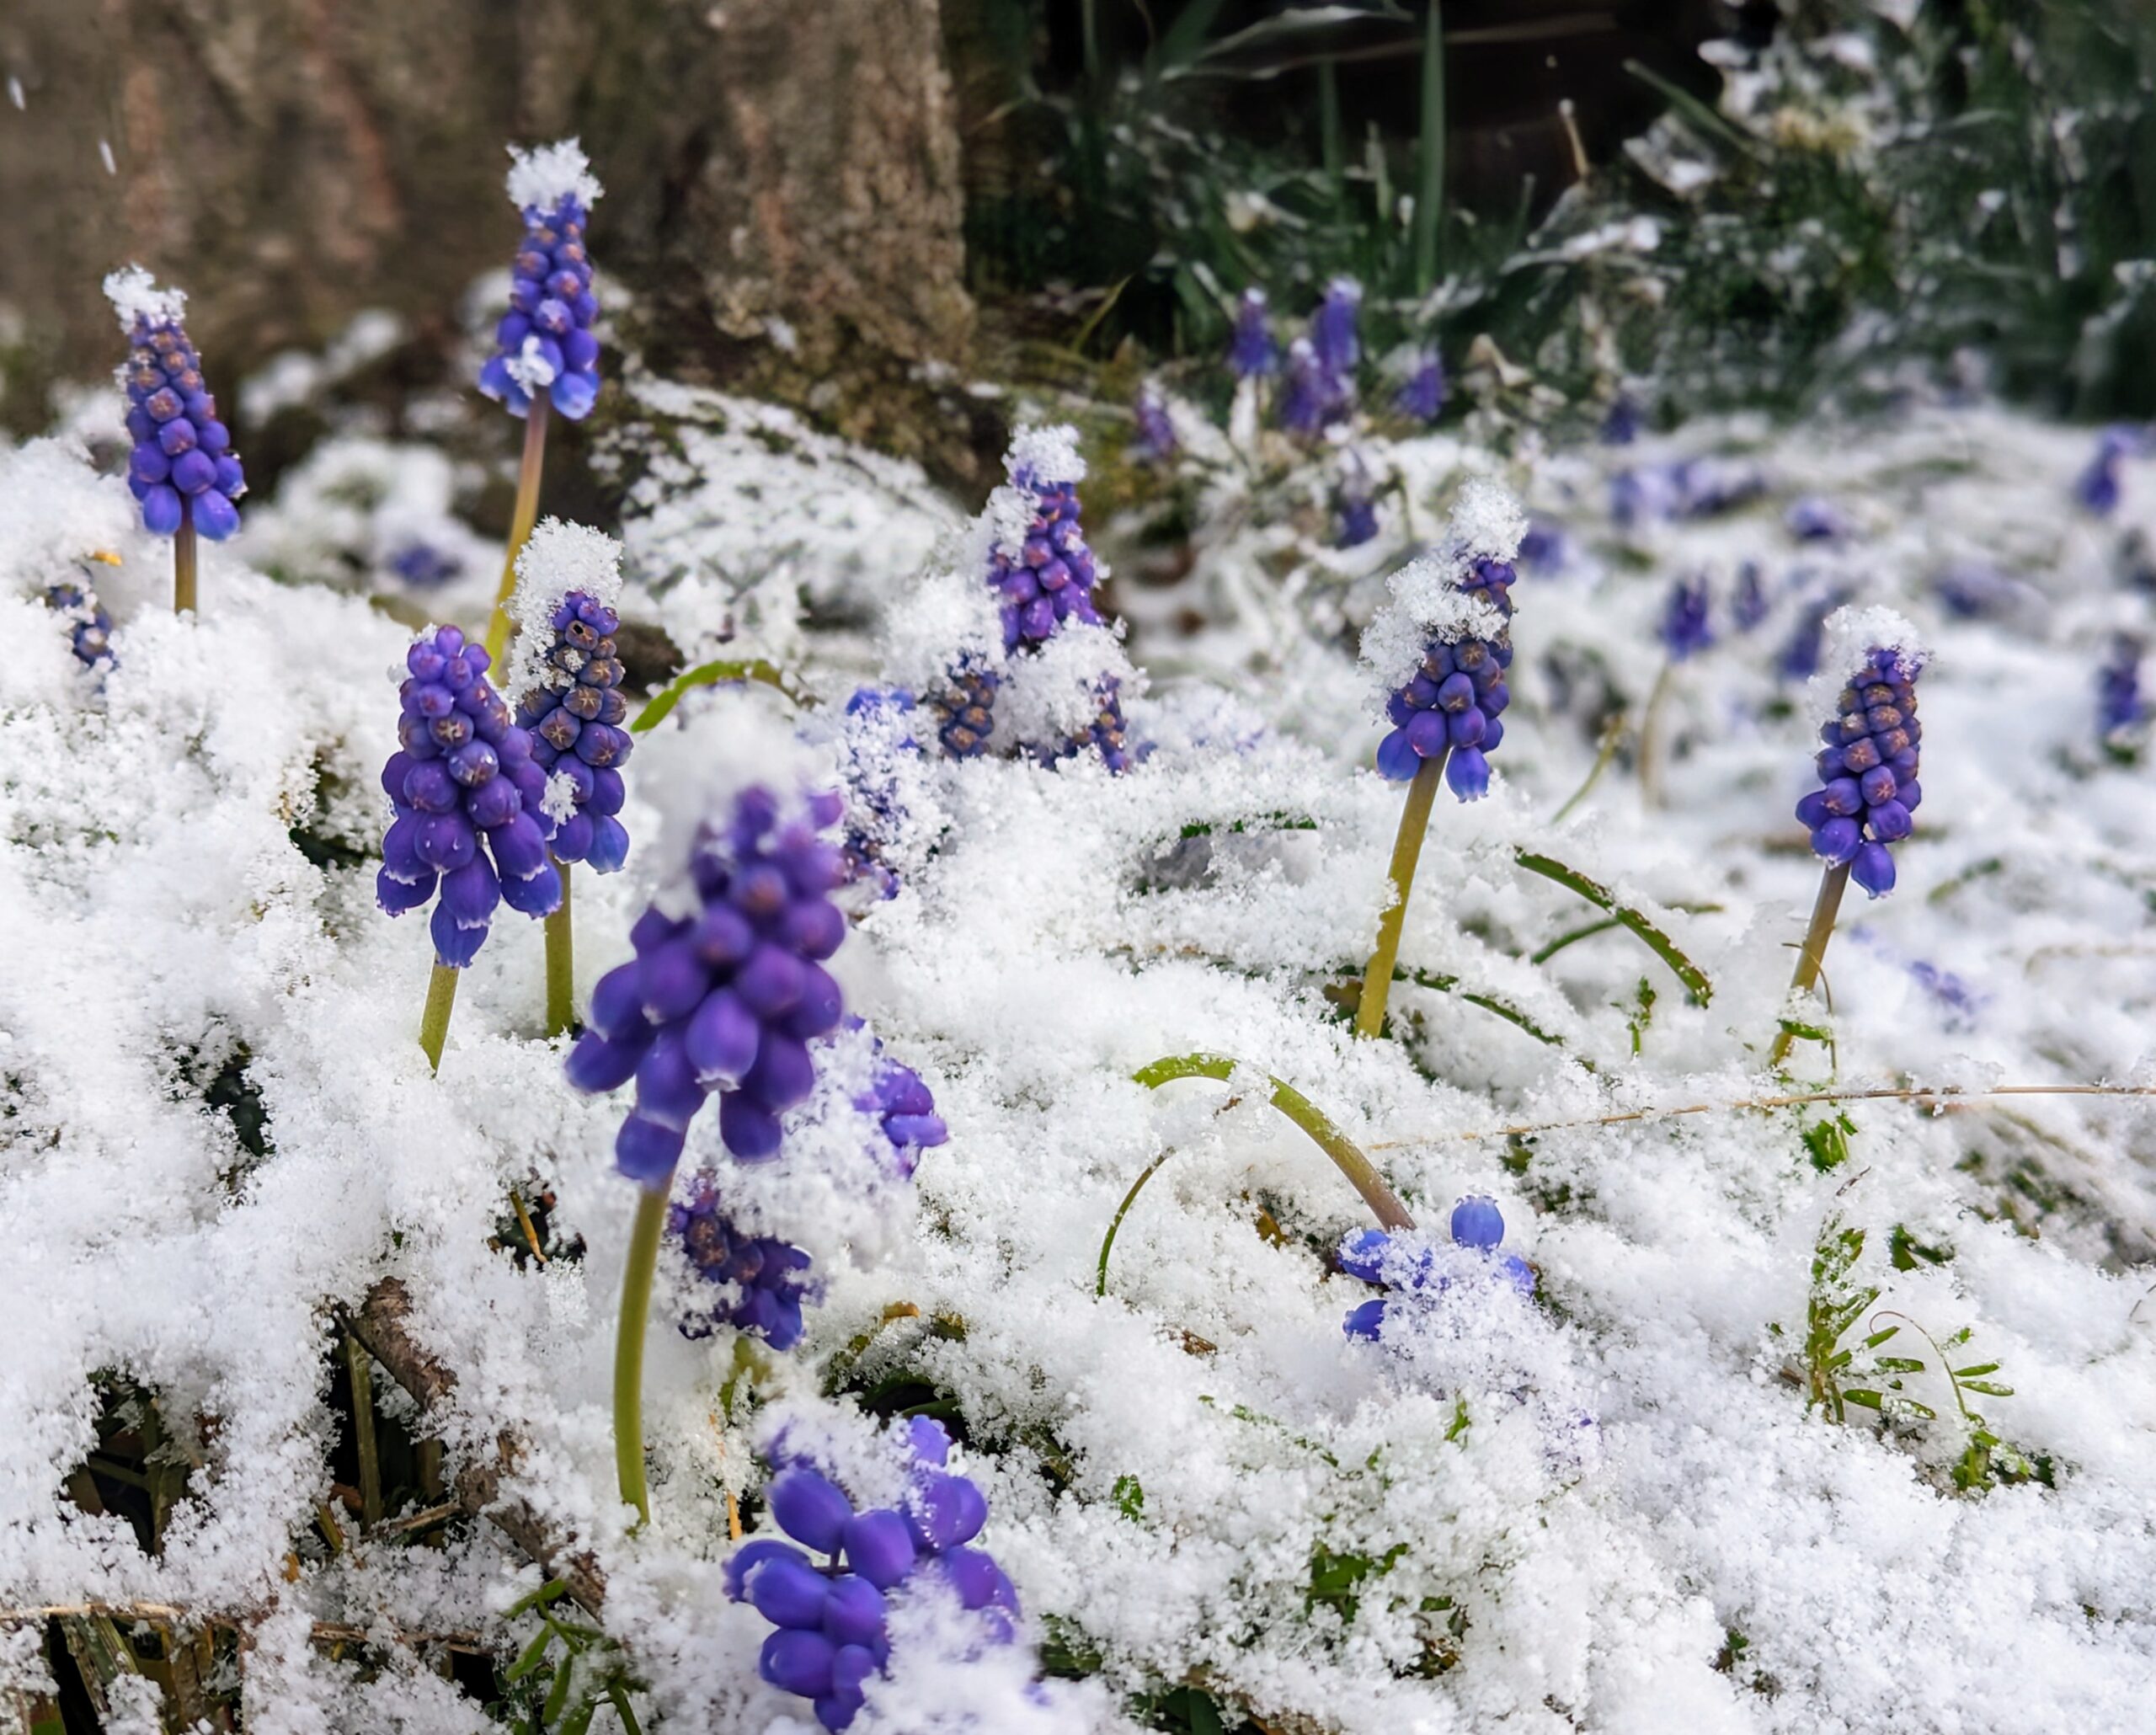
[
  {"x": 519, "y": 527},
  {"x": 1812, "y": 955},
  {"x": 1430, "y": 157},
  {"x": 1650, "y": 737},
  {"x": 182, "y": 562},
  {"x": 628, "y": 1347},
  {"x": 1406, "y": 851},
  {"x": 434, "y": 1023},
  {"x": 561, "y": 962}
]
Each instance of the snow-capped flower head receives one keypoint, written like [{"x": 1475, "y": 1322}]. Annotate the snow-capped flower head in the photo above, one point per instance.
[
  {"x": 469, "y": 801},
  {"x": 879, "y": 735},
  {"x": 1155, "y": 442},
  {"x": 183, "y": 468},
  {"x": 1421, "y": 396},
  {"x": 544, "y": 346},
  {"x": 728, "y": 987},
  {"x": 1407, "y": 1267},
  {"x": 1308, "y": 403},
  {"x": 1334, "y": 334},
  {"x": 1438, "y": 651},
  {"x": 1251, "y": 353},
  {"x": 829, "y": 1592},
  {"x": 768, "y": 1277},
  {"x": 89, "y": 627},
  {"x": 2097, "y": 487},
  {"x": 1868, "y": 761},
  {"x": 1685, "y": 629},
  {"x": 2120, "y": 708},
  {"x": 567, "y": 680},
  {"x": 1357, "y": 502}
]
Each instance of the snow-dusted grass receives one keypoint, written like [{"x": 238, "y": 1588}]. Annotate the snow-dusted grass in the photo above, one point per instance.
[{"x": 1195, "y": 1478}]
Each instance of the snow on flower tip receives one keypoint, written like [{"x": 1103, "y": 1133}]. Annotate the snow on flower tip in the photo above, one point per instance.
[
  {"x": 182, "y": 468},
  {"x": 468, "y": 801},
  {"x": 726, "y": 998},
  {"x": 544, "y": 345}
]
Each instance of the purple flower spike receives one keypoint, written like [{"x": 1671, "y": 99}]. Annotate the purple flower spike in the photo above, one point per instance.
[
  {"x": 831, "y": 1633},
  {"x": 1455, "y": 610},
  {"x": 574, "y": 713},
  {"x": 1307, "y": 404},
  {"x": 466, "y": 795},
  {"x": 1251, "y": 353},
  {"x": 1156, "y": 442},
  {"x": 1359, "y": 511},
  {"x": 765, "y": 1273},
  {"x": 1685, "y": 628},
  {"x": 905, "y": 1107},
  {"x": 1868, "y": 769},
  {"x": 2120, "y": 708},
  {"x": 726, "y": 999},
  {"x": 1421, "y": 397},
  {"x": 1334, "y": 334},
  {"x": 1621, "y": 426},
  {"x": 182, "y": 468},
  {"x": 544, "y": 345},
  {"x": 2097, "y": 488}
]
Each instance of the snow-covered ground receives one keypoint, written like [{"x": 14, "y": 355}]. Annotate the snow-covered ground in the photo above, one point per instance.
[{"x": 1607, "y": 1507}]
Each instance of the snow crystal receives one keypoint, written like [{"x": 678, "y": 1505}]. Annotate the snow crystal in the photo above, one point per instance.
[
  {"x": 134, "y": 296},
  {"x": 540, "y": 178},
  {"x": 1426, "y": 603},
  {"x": 1050, "y": 454}
]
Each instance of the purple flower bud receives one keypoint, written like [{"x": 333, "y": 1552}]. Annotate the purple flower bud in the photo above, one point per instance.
[
  {"x": 1869, "y": 785},
  {"x": 1476, "y": 1222},
  {"x": 854, "y": 1614},
  {"x": 796, "y": 1662},
  {"x": 790, "y": 1595},
  {"x": 811, "y": 1508},
  {"x": 879, "y": 1547},
  {"x": 1251, "y": 353}
]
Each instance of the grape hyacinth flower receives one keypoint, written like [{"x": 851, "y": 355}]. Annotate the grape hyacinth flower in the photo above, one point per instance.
[
  {"x": 1156, "y": 442},
  {"x": 830, "y": 1634},
  {"x": 1359, "y": 510},
  {"x": 876, "y": 736},
  {"x": 424, "y": 567},
  {"x": 1399, "y": 1265},
  {"x": 1421, "y": 396},
  {"x": 567, "y": 680},
  {"x": 182, "y": 469},
  {"x": 1621, "y": 426},
  {"x": 545, "y": 352},
  {"x": 1042, "y": 576},
  {"x": 767, "y": 1274},
  {"x": 1749, "y": 607},
  {"x": 2097, "y": 488},
  {"x": 89, "y": 627},
  {"x": 724, "y": 998},
  {"x": 469, "y": 817},
  {"x": 1306, "y": 404},
  {"x": 1814, "y": 519},
  {"x": 1335, "y": 339},
  {"x": 1438, "y": 652},
  {"x": 1252, "y": 352},
  {"x": 905, "y": 1109},
  {"x": 2120, "y": 708},
  {"x": 1867, "y": 765},
  {"x": 1685, "y": 628}
]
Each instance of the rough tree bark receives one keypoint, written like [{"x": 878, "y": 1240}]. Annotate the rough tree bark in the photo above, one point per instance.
[{"x": 774, "y": 169}]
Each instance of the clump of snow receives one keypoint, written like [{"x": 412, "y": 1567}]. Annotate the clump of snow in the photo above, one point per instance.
[
  {"x": 1851, "y": 634},
  {"x": 1053, "y": 694},
  {"x": 136, "y": 299},
  {"x": 1048, "y": 454},
  {"x": 1487, "y": 521},
  {"x": 557, "y": 558},
  {"x": 540, "y": 178},
  {"x": 944, "y": 618}
]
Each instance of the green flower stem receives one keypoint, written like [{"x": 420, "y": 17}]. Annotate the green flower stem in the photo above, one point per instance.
[
  {"x": 363, "y": 1436},
  {"x": 1430, "y": 157},
  {"x": 519, "y": 529},
  {"x": 628, "y": 1349},
  {"x": 434, "y": 1023},
  {"x": 1812, "y": 957},
  {"x": 1330, "y": 141},
  {"x": 561, "y": 962},
  {"x": 1406, "y": 851},
  {"x": 1650, "y": 737},
  {"x": 1345, "y": 1153},
  {"x": 182, "y": 562}
]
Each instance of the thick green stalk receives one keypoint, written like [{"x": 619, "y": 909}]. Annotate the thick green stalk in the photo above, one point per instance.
[
  {"x": 628, "y": 1349},
  {"x": 1812, "y": 956},
  {"x": 434, "y": 1023},
  {"x": 1406, "y": 851},
  {"x": 519, "y": 529},
  {"x": 1430, "y": 164},
  {"x": 363, "y": 1436},
  {"x": 561, "y": 962},
  {"x": 182, "y": 562}
]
